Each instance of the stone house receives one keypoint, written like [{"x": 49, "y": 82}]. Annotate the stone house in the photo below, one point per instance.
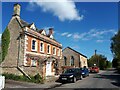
[
  {"x": 31, "y": 50},
  {"x": 72, "y": 58}
]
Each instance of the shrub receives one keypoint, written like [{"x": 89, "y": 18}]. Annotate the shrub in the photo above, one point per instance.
[{"x": 36, "y": 79}]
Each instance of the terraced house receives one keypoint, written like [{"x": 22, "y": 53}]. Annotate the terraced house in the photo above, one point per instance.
[{"x": 31, "y": 50}]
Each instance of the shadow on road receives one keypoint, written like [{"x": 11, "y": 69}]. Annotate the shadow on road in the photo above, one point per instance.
[{"x": 115, "y": 78}]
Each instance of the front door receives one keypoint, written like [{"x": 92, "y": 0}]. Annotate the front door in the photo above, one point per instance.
[{"x": 48, "y": 68}]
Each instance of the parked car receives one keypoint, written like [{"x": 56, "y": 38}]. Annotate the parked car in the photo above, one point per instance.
[
  {"x": 94, "y": 69},
  {"x": 85, "y": 72},
  {"x": 71, "y": 75}
]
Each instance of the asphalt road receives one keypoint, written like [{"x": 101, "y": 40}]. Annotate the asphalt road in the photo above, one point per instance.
[{"x": 104, "y": 79}]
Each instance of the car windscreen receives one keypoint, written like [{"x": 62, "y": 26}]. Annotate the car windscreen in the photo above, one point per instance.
[{"x": 69, "y": 71}]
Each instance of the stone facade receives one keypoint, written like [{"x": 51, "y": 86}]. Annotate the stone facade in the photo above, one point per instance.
[
  {"x": 72, "y": 58},
  {"x": 26, "y": 55}
]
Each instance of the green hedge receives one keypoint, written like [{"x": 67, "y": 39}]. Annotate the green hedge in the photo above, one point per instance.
[
  {"x": 5, "y": 43},
  {"x": 35, "y": 79}
]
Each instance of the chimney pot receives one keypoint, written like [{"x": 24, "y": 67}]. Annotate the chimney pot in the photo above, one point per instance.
[{"x": 51, "y": 31}]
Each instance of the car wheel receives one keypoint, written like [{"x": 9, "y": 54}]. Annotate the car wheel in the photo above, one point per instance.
[{"x": 74, "y": 79}]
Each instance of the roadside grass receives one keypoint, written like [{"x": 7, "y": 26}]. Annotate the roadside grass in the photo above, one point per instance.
[{"x": 34, "y": 79}]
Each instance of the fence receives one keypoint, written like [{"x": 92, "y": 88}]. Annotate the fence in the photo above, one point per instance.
[{"x": 2, "y": 82}]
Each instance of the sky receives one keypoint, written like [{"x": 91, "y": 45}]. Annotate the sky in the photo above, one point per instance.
[{"x": 83, "y": 26}]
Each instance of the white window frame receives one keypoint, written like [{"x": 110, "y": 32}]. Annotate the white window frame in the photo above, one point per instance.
[
  {"x": 35, "y": 45},
  {"x": 53, "y": 51},
  {"x": 34, "y": 63},
  {"x": 49, "y": 49},
  {"x": 42, "y": 47}
]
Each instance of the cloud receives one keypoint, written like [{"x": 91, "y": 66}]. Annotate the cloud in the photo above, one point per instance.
[
  {"x": 69, "y": 35},
  {"x": 64, "y": 9},
  {"x": 94, "y": 34},
  {"x": 99, "y": 41},
  {"x": 64, "y": 34},
  {"x": 76, "y": 36}
]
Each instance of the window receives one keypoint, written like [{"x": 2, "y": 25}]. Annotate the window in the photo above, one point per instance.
[
  {"x": 48, "y": 49},
  {"x": 54, "y": 51},
  {"x": 65, "y": 61},
  {"x": 58, "y": 52},
  {"x": 34, "y": 45},
  {"x": 72, "y": 61},
  {"x": 33, "y": 62},
  {"x": 41, "y": 47}
]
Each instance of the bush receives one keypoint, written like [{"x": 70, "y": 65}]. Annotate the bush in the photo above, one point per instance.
[{"x": 36, "y": 79}]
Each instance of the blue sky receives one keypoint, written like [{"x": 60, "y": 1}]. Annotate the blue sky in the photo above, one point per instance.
[{"x": 84, "y": 26}]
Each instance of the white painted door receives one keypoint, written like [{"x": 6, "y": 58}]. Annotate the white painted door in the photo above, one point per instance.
[{"x": 48, "y": 68}]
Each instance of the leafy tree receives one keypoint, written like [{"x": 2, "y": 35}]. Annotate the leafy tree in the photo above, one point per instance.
[
  {"x": 108, "y": 64},
  {"x": 115, "y": 45},
  {"x": 115, "y": 48},
  {"x": 115, "y": 62},
  {"x": 5, "y": 42},
  {"x": 100, "y": 61}
]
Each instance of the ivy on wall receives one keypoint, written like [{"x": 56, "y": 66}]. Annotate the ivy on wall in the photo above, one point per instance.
[{"x": 5, "y": 42}]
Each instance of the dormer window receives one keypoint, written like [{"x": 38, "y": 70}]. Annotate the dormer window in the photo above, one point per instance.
[
  {"x": 51, "y": 36},
  {"x": 43, "y": 32},
  {"x": 32, "y": 26}
]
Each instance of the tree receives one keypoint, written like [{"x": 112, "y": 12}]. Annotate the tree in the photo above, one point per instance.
[
  {"x": 115, "y": 45},
  {"x": 115, "y": 48},
  {"x": 100, "y": 61},
  {"x": 115, "y": 62}
]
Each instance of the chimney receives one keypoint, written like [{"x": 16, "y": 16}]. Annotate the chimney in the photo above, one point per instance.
[
  {"x": 51, "y": 31},
  {"x": 16, "y": 9}
]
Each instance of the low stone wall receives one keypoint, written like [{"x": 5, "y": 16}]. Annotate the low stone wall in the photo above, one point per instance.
[
  {"x": 33, "y": 70},
  {"x": 13, "y": 70}
]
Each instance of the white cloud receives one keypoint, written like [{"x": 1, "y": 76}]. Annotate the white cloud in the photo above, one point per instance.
[
  {"x": 64, "y": 34},
  {"x": 69, "y": 35},
  {"x": 94, "y": 34},
  {"x": 64, "y": 10},
  {"x": 99, "y": 41},
  {"x": 76, "y": 36}
]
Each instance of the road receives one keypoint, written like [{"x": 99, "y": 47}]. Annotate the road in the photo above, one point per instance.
[{"x": 104, "y": 79}]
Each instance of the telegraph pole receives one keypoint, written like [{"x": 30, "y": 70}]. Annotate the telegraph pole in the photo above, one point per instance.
[
  {"x": 97, "y": 58},
  {"x": 95, "y": 52}
]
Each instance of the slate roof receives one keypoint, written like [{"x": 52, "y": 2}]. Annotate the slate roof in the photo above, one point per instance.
[
  {"x": 75, "y": 51},
  {"x": 24, "y": 23}
]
